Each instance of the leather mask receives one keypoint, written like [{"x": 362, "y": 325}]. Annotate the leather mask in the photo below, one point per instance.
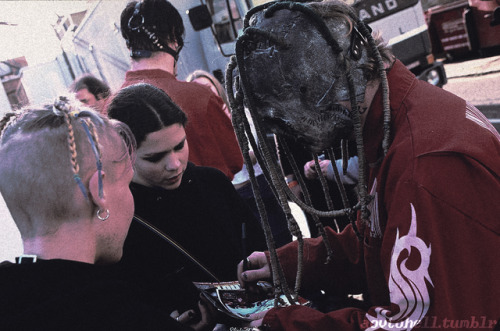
[{"x": 298, "y": 83}]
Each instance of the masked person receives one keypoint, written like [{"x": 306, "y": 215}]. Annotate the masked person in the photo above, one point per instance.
[
  {"x": 65, "y": 175},
  {"x": 154, "y": 33},
  {"x": 424, "y": 247}
]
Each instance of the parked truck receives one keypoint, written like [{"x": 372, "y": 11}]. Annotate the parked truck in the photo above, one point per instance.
[
  {"x": 403, "y": 26},
  {"x": 212, "y": 27},
  {"x": 464, "y": 28}
]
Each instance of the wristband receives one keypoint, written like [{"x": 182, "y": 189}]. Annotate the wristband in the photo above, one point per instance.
[{"x": 293, "y": 183}]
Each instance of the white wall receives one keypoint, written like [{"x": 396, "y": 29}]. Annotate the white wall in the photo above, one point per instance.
[
  {"x": 4, "y": 102},
  {"x": 43, "y": 82}
]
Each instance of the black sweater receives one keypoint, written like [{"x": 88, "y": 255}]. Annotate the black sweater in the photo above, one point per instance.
[
  {"x": 68, "y": 295},
  {"x": 204, "y": 215}
]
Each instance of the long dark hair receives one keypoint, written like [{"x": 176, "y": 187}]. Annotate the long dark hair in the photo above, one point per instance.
[{"x": 145, "y": 109}]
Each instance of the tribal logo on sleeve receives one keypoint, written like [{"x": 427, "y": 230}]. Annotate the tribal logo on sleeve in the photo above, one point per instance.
[{"x": 407, "y": 286}]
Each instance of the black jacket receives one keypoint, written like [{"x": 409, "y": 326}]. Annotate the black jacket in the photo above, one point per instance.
[
  {"x": 69, "y": 295},
  {"x": 204, "y": 215}
]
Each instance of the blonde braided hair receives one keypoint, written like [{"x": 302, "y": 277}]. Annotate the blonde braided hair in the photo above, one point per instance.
[{"x": 62, "y": 106}]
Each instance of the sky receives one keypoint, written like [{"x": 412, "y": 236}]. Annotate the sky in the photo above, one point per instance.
[{"x": 31, "y": 33}]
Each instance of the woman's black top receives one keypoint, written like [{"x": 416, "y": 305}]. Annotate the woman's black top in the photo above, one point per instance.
[{"x": 204, "y": 215}]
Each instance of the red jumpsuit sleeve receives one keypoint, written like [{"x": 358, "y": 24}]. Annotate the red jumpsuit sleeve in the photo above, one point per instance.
[
  {"x": 299, "y": 318},
  {"x": 224, "y": 135},
  {"x": 344, "y": 274}
]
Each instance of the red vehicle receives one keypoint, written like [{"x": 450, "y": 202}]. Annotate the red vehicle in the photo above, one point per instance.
[{"x": 464, "y": 27}]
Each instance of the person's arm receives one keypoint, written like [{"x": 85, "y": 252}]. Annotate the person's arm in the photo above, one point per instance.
[
  {"x": 300, "y": 156},
  {"x": 350, "y": 177},
  {"x": 343, "y": 274},
  {"x": 310, "y": 168},
  {"x": 205, "y": 321},
  {"x": 294, "y": 186}
]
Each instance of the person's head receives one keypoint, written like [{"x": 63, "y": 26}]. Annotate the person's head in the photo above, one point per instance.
[
  {"x": 66, "y": 168},
  {"x": 91, "y": 91},
  {"x": 304, "y": 66},
  {"x": 158, "y": 125},
  {"x": 205, "y": 78},
  {"x": 150, "y": 26}
]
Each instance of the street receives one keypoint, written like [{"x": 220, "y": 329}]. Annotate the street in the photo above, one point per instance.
[{"x": 477, "y": 81}]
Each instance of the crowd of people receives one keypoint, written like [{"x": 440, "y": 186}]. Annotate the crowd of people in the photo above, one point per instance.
[{"x": 125, "y": 198}]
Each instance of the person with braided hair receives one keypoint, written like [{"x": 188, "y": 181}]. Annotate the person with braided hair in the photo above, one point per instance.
[
  {"x": 153, "y": 30},
  {"x": 64, "y": 175},
  {"x": 423, "y": 240}
]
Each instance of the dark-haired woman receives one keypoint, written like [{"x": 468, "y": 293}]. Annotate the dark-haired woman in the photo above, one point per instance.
[
  {"x": 197, "y": 207},
  {"x": 154, "y": 33}
]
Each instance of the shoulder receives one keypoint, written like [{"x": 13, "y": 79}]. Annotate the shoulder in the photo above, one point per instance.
[
  {"x": 210, "y": 179},
  {"x": 191, "y": 88},
  {"x": 207, "y": 173},
  {"x": 441, "y": 122},
  {"x": 141, "y": 191},
  {"x": 192, "y": 97}
]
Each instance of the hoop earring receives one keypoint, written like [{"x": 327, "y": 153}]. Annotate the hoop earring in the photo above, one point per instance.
[{"x": 103, "y": 218}]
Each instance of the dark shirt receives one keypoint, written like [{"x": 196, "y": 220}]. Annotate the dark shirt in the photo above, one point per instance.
[
  {"x": 69, "y": 295},
  {"x": 204, "y": 215}
]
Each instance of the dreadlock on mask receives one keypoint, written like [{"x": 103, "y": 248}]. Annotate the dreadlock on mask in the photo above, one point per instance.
[{"x": 267, "y": 46}]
